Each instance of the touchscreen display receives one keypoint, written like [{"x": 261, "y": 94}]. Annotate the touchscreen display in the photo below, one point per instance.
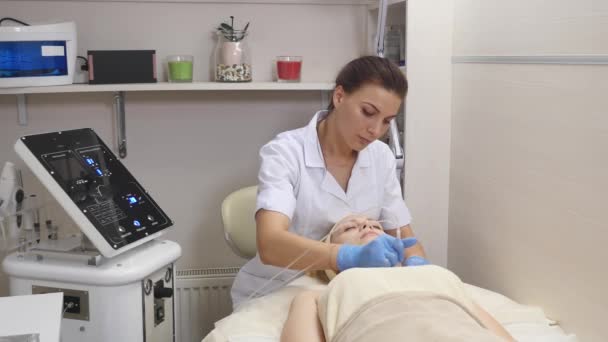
[
  {"x": 68, "y": 167},
  {"x": 98, "y": 186}
]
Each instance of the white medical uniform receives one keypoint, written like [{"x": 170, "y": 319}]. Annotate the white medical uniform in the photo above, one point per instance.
[{"x": 294, "y": 181}]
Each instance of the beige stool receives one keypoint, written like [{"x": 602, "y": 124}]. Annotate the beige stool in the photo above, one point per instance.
[{"x": 238, "y": 210}]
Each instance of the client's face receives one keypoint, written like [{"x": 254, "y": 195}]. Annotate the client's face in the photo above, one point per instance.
[{"x": 356, "y": 230}]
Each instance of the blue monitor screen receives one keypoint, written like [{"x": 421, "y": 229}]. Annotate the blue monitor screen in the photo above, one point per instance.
[{"x": 33, "y": 58}]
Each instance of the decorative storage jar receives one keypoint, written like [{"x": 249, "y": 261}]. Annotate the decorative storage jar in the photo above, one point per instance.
[{"x": 232, "y": 57}]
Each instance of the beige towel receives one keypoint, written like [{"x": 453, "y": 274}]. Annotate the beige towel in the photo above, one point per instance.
[
  {"x": 413, "y": 316},
  {"x": 366, "y": 288}
]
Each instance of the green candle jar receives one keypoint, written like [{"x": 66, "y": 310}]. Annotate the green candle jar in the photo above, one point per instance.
[{"x": 179, "y": 68}]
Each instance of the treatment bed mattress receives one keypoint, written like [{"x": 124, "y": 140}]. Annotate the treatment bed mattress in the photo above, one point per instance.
[{"x": 262, "y": 319}]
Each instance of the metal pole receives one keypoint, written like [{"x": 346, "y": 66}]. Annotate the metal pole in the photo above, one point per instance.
[{"x": 121, "y": 129}]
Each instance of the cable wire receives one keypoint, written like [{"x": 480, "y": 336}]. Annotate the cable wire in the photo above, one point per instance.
[{"x": 14, "y": 20}]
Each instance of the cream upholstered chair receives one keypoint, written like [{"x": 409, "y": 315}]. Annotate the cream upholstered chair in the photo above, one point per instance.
[{"x": 238, "y": 210}]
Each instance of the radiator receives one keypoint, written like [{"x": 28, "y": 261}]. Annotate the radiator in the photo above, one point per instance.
[{"x": 202, "y": 297}]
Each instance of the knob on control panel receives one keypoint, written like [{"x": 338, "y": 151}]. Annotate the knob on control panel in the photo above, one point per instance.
[
  {"x": 78, "y": 192},
  {"x": 163, "y": 292}
]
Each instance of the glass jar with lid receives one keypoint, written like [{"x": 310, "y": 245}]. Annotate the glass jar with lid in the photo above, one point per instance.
[{"x": 232, "y": 57}]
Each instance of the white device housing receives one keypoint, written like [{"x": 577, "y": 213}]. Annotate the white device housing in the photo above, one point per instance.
[
  {"x": 118, "y": 307},
  {"x": 72, "y": 209},
  {"x": 48, "y": 32}
]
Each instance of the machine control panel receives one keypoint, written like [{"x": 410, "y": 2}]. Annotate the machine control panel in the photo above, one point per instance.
[{"x": 100, "y": 186}]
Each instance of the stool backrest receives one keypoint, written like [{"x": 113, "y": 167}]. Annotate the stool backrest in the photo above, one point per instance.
[{"x": 239, "y": 221}]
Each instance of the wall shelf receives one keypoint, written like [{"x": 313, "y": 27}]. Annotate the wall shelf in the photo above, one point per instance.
[
  {"x": 165, "y": 86},
  {"x": 280, "y": 2}
]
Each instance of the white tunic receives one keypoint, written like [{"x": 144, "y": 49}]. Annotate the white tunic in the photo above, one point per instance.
[{"x": 293, "y": 180}]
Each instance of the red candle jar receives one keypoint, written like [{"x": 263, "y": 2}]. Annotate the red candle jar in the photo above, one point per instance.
[{"x": 289, "y": 68}]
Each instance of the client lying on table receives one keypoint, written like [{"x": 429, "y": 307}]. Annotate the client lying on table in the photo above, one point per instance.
[{"x": 422, "y": 303}]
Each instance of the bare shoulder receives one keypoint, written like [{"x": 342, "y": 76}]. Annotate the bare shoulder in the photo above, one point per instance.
[{"x": 308, "y": 294}]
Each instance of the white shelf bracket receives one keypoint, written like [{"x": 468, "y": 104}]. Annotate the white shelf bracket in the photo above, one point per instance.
[
  {"x": 121, "y": 129},
  {"x": 22, "y": 109}
]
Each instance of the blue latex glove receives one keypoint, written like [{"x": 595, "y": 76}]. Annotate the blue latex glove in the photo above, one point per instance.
[
  {"x": 416, "y": 260},
  {"x": 409, "y": 242},
  {"x": 383, "y": 251}
]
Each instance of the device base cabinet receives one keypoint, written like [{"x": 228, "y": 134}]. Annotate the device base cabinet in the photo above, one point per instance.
[{"x": 142, "y": 310}]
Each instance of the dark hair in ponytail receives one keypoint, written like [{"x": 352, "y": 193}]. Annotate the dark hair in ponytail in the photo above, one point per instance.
[{"x": 371, "y": 70}]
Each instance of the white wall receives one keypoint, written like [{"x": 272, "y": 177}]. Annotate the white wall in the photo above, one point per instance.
[
  {"x": 528, "y": 182},
  {"x": 427, "y": 126},
  {"x": 533, "y": 27},
  {"x": 190, "y": 149}
]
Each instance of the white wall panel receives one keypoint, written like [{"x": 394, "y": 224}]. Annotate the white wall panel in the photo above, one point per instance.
[
  {"x": 528, "y": 184},
  {"x": 427, "y": 127},
  {"x": 532, "y": 27}
]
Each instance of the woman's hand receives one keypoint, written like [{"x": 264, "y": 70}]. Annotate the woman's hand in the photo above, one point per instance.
[{"x": 384, "y": 251}]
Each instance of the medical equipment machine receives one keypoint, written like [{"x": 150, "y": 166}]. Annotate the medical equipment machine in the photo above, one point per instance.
[
  {"x": 37, "y": 55},
  {"x": 11, "y": 202},
  {"x": 118, "y": 279}
]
